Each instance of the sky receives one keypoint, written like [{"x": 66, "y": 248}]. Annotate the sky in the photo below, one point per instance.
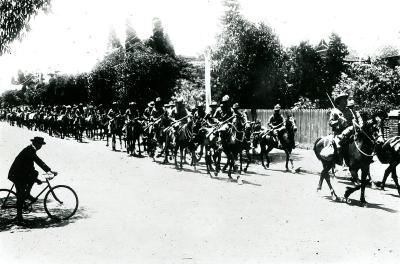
[{"x": 73, "y": 37}]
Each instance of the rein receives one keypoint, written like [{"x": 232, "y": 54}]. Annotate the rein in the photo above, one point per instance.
[{"x": 369, "y": 138}]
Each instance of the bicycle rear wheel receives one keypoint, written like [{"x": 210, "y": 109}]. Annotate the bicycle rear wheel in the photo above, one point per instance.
[
  {"x": 61, "y": 202},
  {"x": 8, "y": 206}
]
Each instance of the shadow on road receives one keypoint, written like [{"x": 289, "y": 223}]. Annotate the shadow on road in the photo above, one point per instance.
[
  {"x": 228, "y": 180},
  {"x": 41, "y": 221},
  {"x": 353, "y": 202}
]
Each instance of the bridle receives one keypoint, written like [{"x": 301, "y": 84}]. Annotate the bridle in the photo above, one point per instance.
[{"x": 372, "y": 140}]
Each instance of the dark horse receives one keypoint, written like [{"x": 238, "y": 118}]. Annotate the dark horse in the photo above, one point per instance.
[
  {"x": 268, "y": 143},
  {"x": 389, "y": 153},
  {"x": 183, "y": 141},
  {"x": 232, "y": 138},
  {"x": 114, "y": 128},
  {"x": 357, "y": 155}
]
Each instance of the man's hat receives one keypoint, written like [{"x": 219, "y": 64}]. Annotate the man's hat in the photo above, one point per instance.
[
  {"x": 225, "y": 98},
  {"x": 350, "y": 102},
  {"x": 151, "y": 104},
  {"x": 114, "y": 103},
  {"x": 341, "y": 96},
  {"x": 235, "y": 106},
  {"x": 213, "y": 103},
  {"x": 158, "y": 99},
  {"x": 277, "y": 107},
  {"x": 132, "y": 103},
  {"x": 179, "y": 100},
  {"x": 38, "y": 140}
]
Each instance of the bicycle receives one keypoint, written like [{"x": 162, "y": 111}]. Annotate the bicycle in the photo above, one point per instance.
[{"x": 60, "y": 202}]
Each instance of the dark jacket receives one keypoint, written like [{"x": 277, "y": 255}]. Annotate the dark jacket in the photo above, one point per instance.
[{"x": 22, "y": 169}]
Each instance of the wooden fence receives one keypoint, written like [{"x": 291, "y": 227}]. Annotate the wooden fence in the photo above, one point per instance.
[{"x": 311, "y": 123}]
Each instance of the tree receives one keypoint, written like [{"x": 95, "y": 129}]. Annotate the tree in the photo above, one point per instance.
[
  {"x": 374, "y": 87},
  {"x": 335, "y": 64},
  {"x": 304, "y": 73},
  {"x": 14, "y": 19},
  {"x": 247, "y": 61},
  {"x": 159, "y": 41},
  {"x": 113, "y": 40},
  {"x": 131, "y": 37}
]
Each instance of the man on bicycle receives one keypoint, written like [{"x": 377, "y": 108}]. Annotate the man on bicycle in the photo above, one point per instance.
[{"x": 23, "y": 174}]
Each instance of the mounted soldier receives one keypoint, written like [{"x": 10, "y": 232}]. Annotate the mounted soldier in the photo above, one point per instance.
[
  {"x": 240, "y": 115},
  {"x": 341, "y": 120},
  {"x": 158, "y": 110},
  {"x": 132, "y": 111},
  {"x": 147, "y": 111},
  {"x": 277, "y": 124},
  {"x": 224, "y": 111},
  {"x": 179, "y": 112}
]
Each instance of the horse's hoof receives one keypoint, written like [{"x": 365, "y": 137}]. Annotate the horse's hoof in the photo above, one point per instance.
[
  {"x": 215, "y": 173},
  {"x": 318, "y": 189},
  {"x": 334, "y": 197},
  {"x": 239, "y": 181},
  {"x": 363, "y": 204},
  {"x": 346, "y": 200},
  {"x": 245, "y": 170}
]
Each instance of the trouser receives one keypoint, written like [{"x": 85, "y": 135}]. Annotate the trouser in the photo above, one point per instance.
[{"x": 23, "y": 190}]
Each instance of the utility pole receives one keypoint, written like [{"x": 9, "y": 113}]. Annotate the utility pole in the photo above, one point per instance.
[{"x": 207, "y": 76}]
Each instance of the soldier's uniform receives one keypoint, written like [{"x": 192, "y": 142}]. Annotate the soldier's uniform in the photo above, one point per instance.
[
  {"x": 132, "y": 112},
  {"x": 147, "y": 111},
  {"x": 341, "y": 121},
  {"x": 277, "y": 123},
  {"x": 224, "y": 111}
]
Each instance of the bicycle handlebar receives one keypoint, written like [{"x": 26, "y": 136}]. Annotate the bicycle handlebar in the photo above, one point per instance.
[{"x": 49, "y": 176}]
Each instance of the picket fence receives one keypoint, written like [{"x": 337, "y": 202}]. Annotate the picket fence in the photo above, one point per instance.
[{"x": 311, "y": 123}]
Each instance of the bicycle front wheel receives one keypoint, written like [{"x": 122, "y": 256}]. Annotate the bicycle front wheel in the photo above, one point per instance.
[
  {"x": 8, "y": 206},
  {"x": 61, "y": 202}
]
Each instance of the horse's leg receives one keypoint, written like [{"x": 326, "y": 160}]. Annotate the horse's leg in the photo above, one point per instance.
[
  {"x": 113, "y": 141},
  {"x": 395, "y": 179},
  {"x": 386, "y": 174},
  {"x": 248, "y": 155},
  {"x": 364, "y": 175},
  {"x": 175, "y": 154},
  {"x": 350, "y": 190},
  {"x": 266, "y": 155},
  {"x": 325, "y": 175},
  {"x": 182, "y": 151},
  {"x": 262, "y": 152},
  {"x": 241, "y": 162}
]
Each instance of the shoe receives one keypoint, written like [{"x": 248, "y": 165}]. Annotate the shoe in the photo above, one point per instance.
[{"x": 32, "y": 199}]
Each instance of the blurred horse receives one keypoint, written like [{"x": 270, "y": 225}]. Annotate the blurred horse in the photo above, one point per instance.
[{"x": 357, "y": 155}]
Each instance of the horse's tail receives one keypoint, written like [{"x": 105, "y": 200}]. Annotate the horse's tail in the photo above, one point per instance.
[{"x": 317, "y": 153}]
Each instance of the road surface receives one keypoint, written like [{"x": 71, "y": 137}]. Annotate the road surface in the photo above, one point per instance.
[{"x": 134, "y": 210}]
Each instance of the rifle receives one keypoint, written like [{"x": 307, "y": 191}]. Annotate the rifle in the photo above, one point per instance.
[
  {"x": 173, "y": 123},
  {"x": 153, "y": 123},
  {"x": 219, "y": 125},
  {"x": 330, "y": 100}
]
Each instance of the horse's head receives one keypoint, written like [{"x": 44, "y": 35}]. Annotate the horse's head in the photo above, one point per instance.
[
  {"x": 372, "y": 129},
  {"x": 290, "y": 124}
]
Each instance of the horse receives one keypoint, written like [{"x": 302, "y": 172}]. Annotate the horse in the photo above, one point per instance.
[
  {"x": 389, "y": 153},
  {"x": 183, "y": 141},
  {"x": 208, "y": 137},
  {"x": 79, "y": 127},
  {"x": 268, "y": 143},
  {"x": 357, "y": 155},
  {"x": 114, "y": 128},
  {"x": 232, "y": 137}
]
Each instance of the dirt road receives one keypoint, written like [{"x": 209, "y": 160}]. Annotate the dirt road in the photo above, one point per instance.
[{"x": 133, "y": 210}]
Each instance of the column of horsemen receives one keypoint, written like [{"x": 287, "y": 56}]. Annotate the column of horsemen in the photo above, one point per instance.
[{"x": 164, "y": 129}]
